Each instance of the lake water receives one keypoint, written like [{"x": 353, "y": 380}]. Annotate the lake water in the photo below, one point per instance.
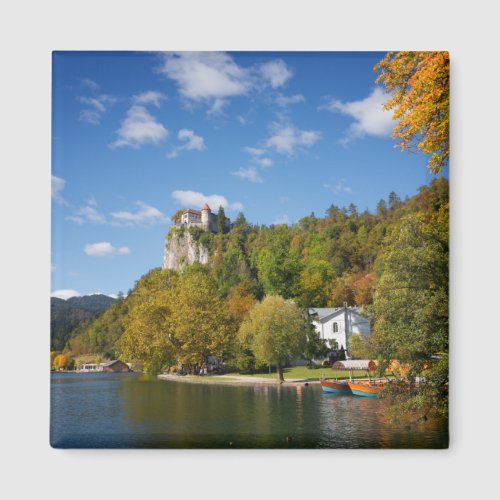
[{"x": 108, "y": 410}]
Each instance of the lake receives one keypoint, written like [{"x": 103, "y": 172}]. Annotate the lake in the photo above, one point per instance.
[{"x": 131, "y": 410}]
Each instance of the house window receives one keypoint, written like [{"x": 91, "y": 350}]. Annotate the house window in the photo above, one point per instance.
[{"x": 335, "y": 328}]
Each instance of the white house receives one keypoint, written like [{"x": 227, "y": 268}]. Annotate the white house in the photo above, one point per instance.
[{"x": 337, "y": 324}]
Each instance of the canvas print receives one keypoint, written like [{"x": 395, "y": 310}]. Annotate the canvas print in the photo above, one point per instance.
[{"x": 249, "y": 250}]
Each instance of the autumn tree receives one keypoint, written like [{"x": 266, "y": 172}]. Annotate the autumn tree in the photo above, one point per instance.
[
  {"x": 276, "y": 330},
  {"x": 182, "y": 322},
  {"x": 60, "y": 362},
  {"x": 419, "y": 84}
]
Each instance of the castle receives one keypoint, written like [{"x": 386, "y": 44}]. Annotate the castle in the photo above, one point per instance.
[{"x": 203, "y": 219}]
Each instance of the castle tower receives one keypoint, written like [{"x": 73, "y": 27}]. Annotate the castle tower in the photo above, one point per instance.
[{"x": 205, "y": 217}]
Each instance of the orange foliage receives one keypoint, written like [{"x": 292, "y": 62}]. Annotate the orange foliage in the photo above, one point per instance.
[
  {"x": 60, "y": 361},
  {"x": 419, "y": 83}
]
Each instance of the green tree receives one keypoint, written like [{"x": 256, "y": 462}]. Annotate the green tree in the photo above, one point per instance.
[
  {"x": 221, "y": 221},
  {"x": 278, "y": 267},
  {"x": 419, "y": 83},
  {"x": 411, "y": 303},
  {"x": 359, "y": 346},
  {"x": 276, "y": 330}
]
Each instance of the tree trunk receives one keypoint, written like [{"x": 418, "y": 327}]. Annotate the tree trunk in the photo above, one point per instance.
[{"x": 279, "y": 371}]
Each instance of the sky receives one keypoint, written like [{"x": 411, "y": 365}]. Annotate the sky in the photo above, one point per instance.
[{"x": 137, "y": 136}]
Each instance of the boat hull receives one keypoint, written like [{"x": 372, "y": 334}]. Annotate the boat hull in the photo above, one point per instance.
[
  {"x": 365, "y": 390},
  {"x": 335, "y": 387}
]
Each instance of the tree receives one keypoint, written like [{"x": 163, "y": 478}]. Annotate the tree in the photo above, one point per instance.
[
  {"x": 411, "y": 307},
  {"x": 394, "y": 201},
  {"x": 60, "y": 362},
  {"x": 177, "y": 216},
  {"x": 278, "y": 267},
  {"x": 359, "y": 346},
  {"x": 276, "y": 330},
  {"x": 419, "y": 87},
  {"x": 183, "y": 322},
  {"x": 221, "y": 221}
]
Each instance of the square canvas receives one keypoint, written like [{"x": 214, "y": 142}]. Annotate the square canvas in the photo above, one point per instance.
[{"x": 249, "y": 250}]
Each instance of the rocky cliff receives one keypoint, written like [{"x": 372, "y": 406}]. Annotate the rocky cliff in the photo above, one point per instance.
[{"x": 182, "y": 249}]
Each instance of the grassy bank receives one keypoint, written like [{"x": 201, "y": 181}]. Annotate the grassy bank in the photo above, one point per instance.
[{"x": 303, "y": 372}]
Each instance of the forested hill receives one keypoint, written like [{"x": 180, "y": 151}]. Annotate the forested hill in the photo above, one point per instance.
[
  {"x": 318, "y": 261},
  {"x": 65, "y": 315}
]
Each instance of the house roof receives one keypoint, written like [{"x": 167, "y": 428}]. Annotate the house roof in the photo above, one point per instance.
[
  {"x": 206, "y": 207},
  {"x": 191, "y": 211},
  {"x": 327, "y": 312},
  {"x": 109, "y": 363}
]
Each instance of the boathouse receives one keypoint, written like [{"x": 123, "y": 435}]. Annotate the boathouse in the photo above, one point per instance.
[{"x": 115, "y": 366}]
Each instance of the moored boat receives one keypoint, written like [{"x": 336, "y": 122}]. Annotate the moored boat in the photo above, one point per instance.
[
  {"x": 369, "y": 389},
  {"x": 335, "y": 386}
]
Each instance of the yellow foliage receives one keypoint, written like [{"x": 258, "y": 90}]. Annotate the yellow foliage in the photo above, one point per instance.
[
  {"x": 419, "y": 83},
  {"x": 60, "y": 361}
]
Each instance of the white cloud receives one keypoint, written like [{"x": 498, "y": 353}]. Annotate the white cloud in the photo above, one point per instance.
[
  {"x": 192, "y": 142},
  {"x": 254, "y": 151},
  {"x": 284, "y": 101},
  {"x": 90, "y": 116},
  {"x": 369, "y": 115},
  {"x": 96, "y": 107},
  {"x": 104, "y": 249},
  {"x": 145, "y": 214},
  {"x": 249, "y": 174},
  {"x": 287, "y": 139},
  {"x": 91, "y": 214},
  {"x": 214, "y": 77},
  {"x": 138, "y": 128},
  {"x": 338, "y": 187},
  {"x": 205, "y": 75},
  {"x": 57, "y": 184},
  {"x": 193, "y": 199},
  {"x": 65, "y": 294},
  {"x": 257, "y": 156},
  {"x": 264, "y": 162},
  {"x": 282, "y": 219},
  {"x": 276, "y": 73},
  {"x": 217, "y": 106},
  {"x": 90, "y": 84},
  {"x": 150, "y": 97},
  {"x": 88, "y": 213}
]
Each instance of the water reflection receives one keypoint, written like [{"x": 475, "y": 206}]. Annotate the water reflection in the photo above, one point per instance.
[{"x": 131, "y": 410}]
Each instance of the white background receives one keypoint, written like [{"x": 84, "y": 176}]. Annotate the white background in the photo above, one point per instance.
[{"x": 30, "y": 31}]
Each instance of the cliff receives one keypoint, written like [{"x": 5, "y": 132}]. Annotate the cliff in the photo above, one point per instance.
[{"x": 182, "y": 248}]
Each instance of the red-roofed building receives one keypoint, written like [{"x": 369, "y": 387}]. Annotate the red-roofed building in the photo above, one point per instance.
[{"x": 203, "y": 219}]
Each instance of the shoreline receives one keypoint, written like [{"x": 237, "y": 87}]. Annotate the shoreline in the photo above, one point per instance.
[{"x": 236, "y": 380}]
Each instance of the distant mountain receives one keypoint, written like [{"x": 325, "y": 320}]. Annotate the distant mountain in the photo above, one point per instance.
[{"x": 66, "y": 315}]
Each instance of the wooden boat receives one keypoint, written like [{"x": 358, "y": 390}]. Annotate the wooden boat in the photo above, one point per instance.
[
  {"x": 366, "y": 388},
  {"x": 335, "y": 386}
]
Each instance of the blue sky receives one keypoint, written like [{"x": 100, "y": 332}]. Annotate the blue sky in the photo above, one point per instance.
[{"x": 138, "y": 135}]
